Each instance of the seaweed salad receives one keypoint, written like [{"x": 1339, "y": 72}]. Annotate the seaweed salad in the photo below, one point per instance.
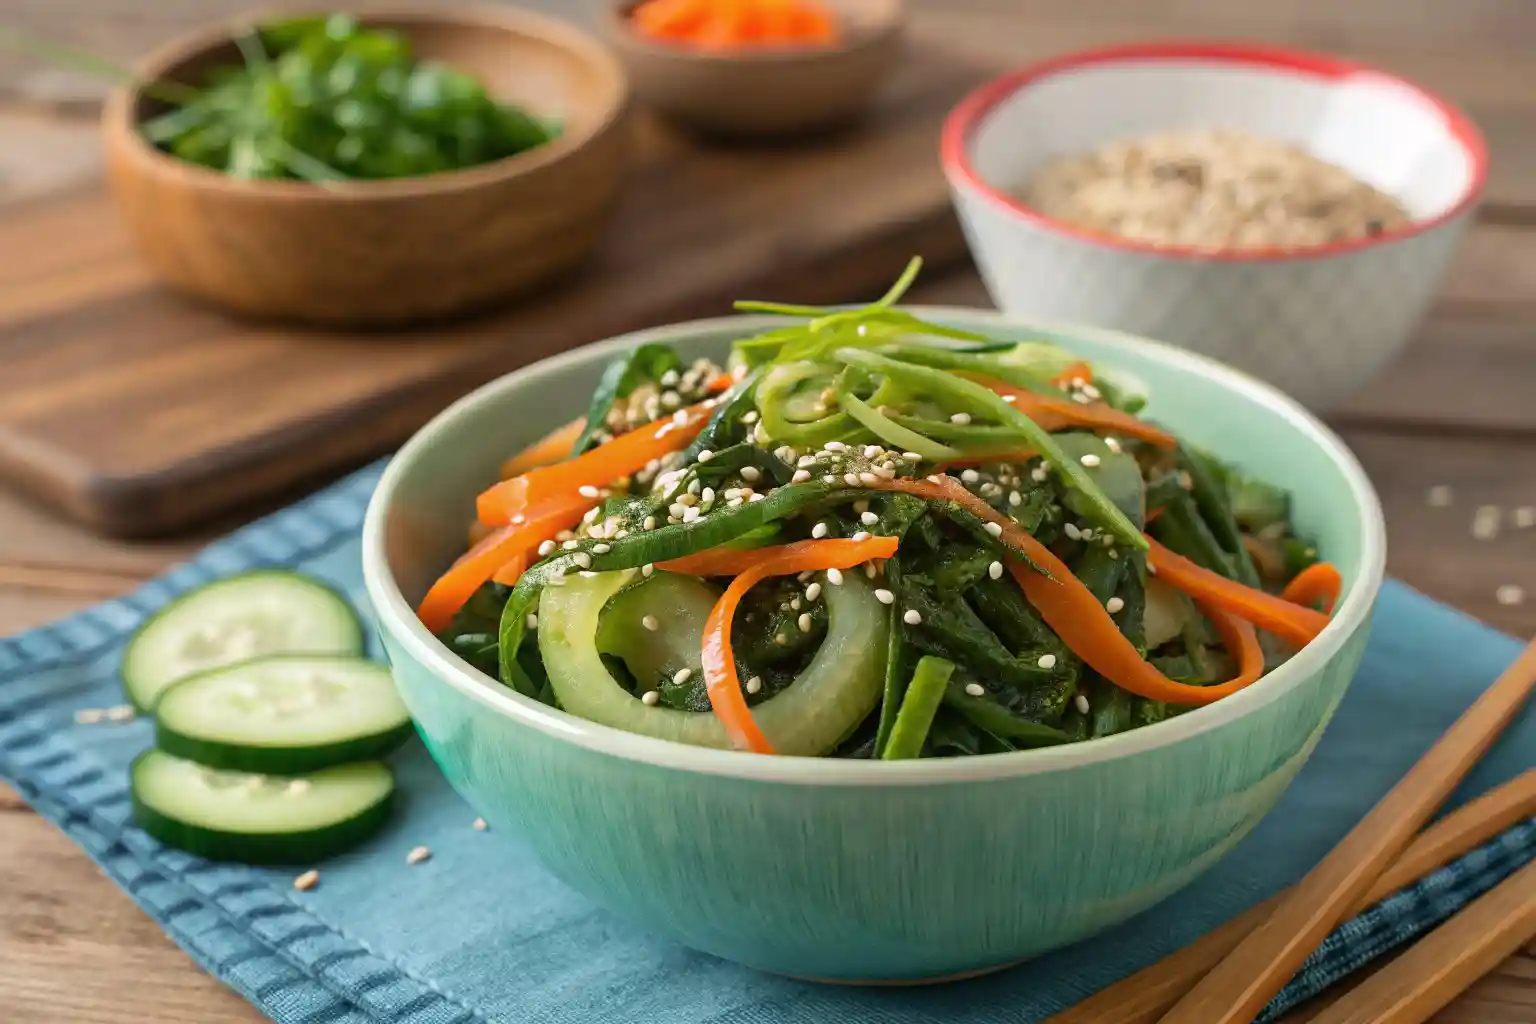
[{"x": 872, "y": 536}]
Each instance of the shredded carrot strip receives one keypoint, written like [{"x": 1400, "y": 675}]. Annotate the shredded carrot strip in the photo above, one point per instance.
[
  {"x": 1076, "y": 371},
  {"x": 1272, "y": 614},
  {"x": 554, "y": 446},
  {"x": 1071, "y": 610},
  {"x": 712, "y": 562},
  {"x": 486, "y": 558},
  {"x": 720, "y": 679},
  {"x": 1319, "y": 581},
  {"x": 727, "y": 23},
  {"x": 1242, "y": 642},
  {"x": 604, "y": 464},
  {"x": 1054, "y": 413}
]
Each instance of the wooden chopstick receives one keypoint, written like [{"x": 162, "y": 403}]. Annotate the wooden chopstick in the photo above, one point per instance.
[
  {"x": 1249, "y": 976},
  {"x": 1443, "y": 964},
  {"x": 1144, "y": 996}
]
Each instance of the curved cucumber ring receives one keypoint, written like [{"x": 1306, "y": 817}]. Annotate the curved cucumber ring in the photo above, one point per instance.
[{"x": 810, "y": 717}]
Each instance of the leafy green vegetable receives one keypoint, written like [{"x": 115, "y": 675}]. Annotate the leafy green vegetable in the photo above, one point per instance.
[
  {"x": 918, "y": 706},
  {"x": 324, "y": 100},
  {"x": 625, "y": 373}
]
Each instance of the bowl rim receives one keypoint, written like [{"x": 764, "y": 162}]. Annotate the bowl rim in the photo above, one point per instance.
[
  {"x": 616, "y": 18},
  {"x": 963, "y": 121},
  {"x": 119, "y": 123},
  {"x": 396, "y": 617}
]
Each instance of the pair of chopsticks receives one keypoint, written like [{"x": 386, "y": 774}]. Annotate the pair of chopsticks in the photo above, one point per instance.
[{"x": 1231, "y": 974}]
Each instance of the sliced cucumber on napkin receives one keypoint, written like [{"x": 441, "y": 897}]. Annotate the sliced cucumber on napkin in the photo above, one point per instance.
[
  {"x": 283, "y": 714},
  {"x": 258, "y": 819},
  {"x": 269, "y": 611}
]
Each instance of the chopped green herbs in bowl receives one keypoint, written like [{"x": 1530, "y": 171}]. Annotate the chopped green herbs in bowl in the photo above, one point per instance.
[
  {"x": 328, "y": 99},
  {"x": 375, "y": 171},
  {"x": 906, "y": 785}
]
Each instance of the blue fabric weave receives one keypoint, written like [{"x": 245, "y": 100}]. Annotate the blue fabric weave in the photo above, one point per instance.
[{"x": 481, "y": 933}]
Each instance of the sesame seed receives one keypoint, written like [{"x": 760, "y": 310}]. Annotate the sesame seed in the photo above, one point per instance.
[
  {"x": 781, "y": 639},
  {"x": 760, "y": 435},
  {"x": 975, "y": 689},
  {"x": 1081, "y": 703},
  {"x": 1090, "y": 460},
  {"x": 819, "y": 531},
  {"x": 1113, "y": 444},
  {"x": 1114, "y": 605},
  {"x": 582, "y": 559},
  {"x": 587, "y": 574},
  {"x": 650, "y": 622},
  {"x": 480, "y": 825},
  {"x": 1038, "y": 474},
  {"x": 681, "y": 676},
  {"x": 1010, "y": 399},
  {"x": 601, "y": 549},
  {"x": 519, "y": 519},
  {"x": 869, "y": 519},
  {"x": 705, "y": 455},
  {"x": 1510, "y": 593},
  {"x": 587, "y": 491},
  {"x": 829, "y": 479},
  {"x": 1071, "y": 530},
  {"x": 1485, "y": 523},
  {"x": 885, "y": 596},
  {"x": 1186, "y": 481},
  {"x": 736, "y": 501},
  {"x": 796, "y": 604},
  {"x": 801, "y": 476},
  {"x": 961, "y": 419},
  {"x": 867, "y": 478},
  {"x": 750, "y": 416},
  {"x": 307, "y": 881},
  {"x": 872, "y": 451},
  {"x": 912, "y": 456},
  {"x": 1015, "y": 499},
  {"x": 860, "y": 535},
  {"x": 755, "y": 684},
  {"x": 296, "y": 787},
  {"x": 970, "y": 476},
  {"x": 806, "y": 461},
  {"x": 995, "y": 570},
  {"x": 1047, "y": 661},
  {"x": 912, "y": 617},
  {"x": 785, "y": 452},
  {"x": 417, "y": 855},
  {"x": 570, "y": 545},
  {"x": 546, "y": 548},
  {"x": 888, "y": 472},
  {"x": 755, "y": 497},
  {"x": 813, "y": 591},
  {"x": 751, "y": 474},
  {"x": 1088, "y": 533},
  {"x": 851, "y": 479},
  {"x": 690, "y": 514},
  {"x": 650, "y": 698},
  {"x": 1525, "y": 517},
  {"x": 90, "y": 716},
  {"x": 804, "y": 622},
  {"x": 871, "y": 570},
  {"x": 532, "y": 621},
  {"x": 835, "y": 577},
  {"x": 835, "y": 446},
  {"x": 995, "y": 529},
  {"x": 694, "y": 486},
  {"x": 120, "y": 713},
  {"x": 669, "y": 379},
  {"x": 647, "y": 568}
]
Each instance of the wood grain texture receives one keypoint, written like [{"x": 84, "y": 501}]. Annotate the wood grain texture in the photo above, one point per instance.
[
  {"x": 1143, "y": 997},
  {"x": 384, "y": 253},
  {"x": 136, "y": 413},
  {"x": 1445, "y": 963}
]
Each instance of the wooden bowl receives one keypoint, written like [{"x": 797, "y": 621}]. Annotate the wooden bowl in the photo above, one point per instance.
[
  {"x": 379, "y": 253},
  {"x": 769, "y": 91}
]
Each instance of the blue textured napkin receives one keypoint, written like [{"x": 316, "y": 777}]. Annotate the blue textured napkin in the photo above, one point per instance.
[{"x": 481, "y": 933}]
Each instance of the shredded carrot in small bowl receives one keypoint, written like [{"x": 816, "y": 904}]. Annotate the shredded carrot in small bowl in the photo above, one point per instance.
[{"x": 736, "y": 24}]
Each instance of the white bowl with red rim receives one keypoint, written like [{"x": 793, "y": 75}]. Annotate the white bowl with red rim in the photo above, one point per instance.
[{"x": 1316, "y": 321}]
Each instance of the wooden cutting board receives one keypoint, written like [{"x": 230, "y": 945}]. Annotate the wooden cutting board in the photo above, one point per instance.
[{"x": 138, "y": 413}]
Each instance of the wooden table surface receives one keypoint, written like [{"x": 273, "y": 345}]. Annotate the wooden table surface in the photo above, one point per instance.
[{"x": 1456, "y": 411}]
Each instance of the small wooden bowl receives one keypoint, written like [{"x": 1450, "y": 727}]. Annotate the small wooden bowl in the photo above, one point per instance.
[
  {"x": 762, "y": 92},
  {"x": 379, "y": 253}
]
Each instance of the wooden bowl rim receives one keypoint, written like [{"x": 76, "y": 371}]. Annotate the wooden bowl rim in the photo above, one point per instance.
[
  {"x": 617, "y": 27},
  {"x": 119, "y": 125}
]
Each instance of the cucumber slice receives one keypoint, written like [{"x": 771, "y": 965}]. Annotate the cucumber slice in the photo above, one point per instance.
[
  {"x": 258, "y": 819},
  {"x": 826, "y": 702},
  {"x": 283, "y": 715},
  {"x": 269, "y": 611}
]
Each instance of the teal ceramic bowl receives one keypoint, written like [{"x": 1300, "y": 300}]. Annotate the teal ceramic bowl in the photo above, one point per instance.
[{"x": 859, "y": 870}]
